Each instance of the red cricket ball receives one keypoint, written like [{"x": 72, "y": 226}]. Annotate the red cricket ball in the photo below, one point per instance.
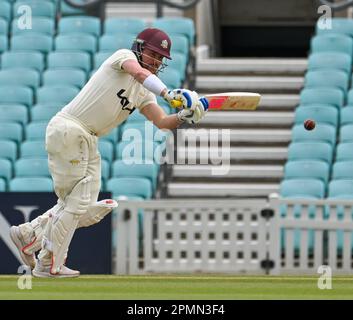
[{"x": 309, "y": 124}]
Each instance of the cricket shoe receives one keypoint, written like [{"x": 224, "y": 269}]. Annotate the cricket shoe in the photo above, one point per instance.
[
  {"x": 41, "y": 271},
  {"x": 18, "y": 240}
]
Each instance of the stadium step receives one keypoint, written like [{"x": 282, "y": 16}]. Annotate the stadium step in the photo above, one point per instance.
[
  {"x": 219, "y": 190},
  {"x": 259, "y": 84},
  {"x": 255, "y": 66}
]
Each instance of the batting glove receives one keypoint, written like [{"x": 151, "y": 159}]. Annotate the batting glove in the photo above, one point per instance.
[
  {"x": 194, "y": 116},
  {"x": 189, "y": 99}
]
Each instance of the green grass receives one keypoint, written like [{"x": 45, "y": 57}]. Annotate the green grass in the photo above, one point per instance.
[{"x": 187, "y": 287}]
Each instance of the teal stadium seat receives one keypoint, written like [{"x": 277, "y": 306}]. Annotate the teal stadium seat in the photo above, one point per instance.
[
  {"x": 5, "y": 169},
  {"x": 13, "y": 113},
  {"x": 346, "y": 133},
  {"x": 105, "y": 170},
  {"x": 5, "y": 10},
  {"x": 36, "y": 131},
  {"x": 346, "y": 115},
  {"x": 8, "y": 149},
  {"x": 100, "y": 57},
  {"x": 4, "y": 27},
  {"x": 76, "y": 42},
  {"x": 323, "y": 133},
  {"x": 113, "y": 42},
  {"x": 56, "y": 94},
  {"x": 313, "y": 169},
  {"x": 16, "y": 95},
  {"x": 180, "y": 45},
  {"x": 112, "y": 136},
  {"x": 33, "y": 149},
  {"x": 38, "y": 8},
  {"x": 310, "y": 151},
  {"x": 344, "y": 151},
  {"x": 4, "y": 44},
  {"x": 2, "y": 185},
  {"x": 326, "y": 95},
  {"x": 332, "y": 42},
  {"x": 342, "y": 170},
  {"x": 44, "y": 113},
  {"x": 39, "y": 25},
  {"x": 136, "y": 116},
  {"x": 33, "y": 60},
  {"x": 106, "y": 150},
  {"x": 32, "y": 42},
  {"x": 32, "y": 167},
  {"x": 177, "y": 25},
  {"x": 150, "y": 171},
  {"x": 350, "y": 97},
  {"x": 341, "y": 188},
  {"x": 130, "y": 187},
  {"x": 70, "y": 77},
  {"x": 20, "y": 76},
  {"x": 80, "y": 24},
  {"x": 143, "y": 130},
  {"x": 178, "y": 62},
  {"x": 305, "y": 188},
  {"x": 327, "y": 78},
  {"x": 31, "y": 184},
  {"x": 171, "y": 78},
  {"x": 123, "y": 25},
  {"x": 338, "y": 25},
  {"x": 330, "y": 60},
  {"x": 11, "y": 131},
  {"x": 79, "y": 60},
  {"x": 328, "y": 115}
]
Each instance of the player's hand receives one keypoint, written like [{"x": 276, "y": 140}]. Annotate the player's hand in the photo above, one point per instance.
[
  {"x": 188, "y": 99},
  {"x": 194, "y": 116}
]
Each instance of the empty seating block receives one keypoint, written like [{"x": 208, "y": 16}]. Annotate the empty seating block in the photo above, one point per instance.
[
  {"x": 76, "y": 42},
  {"x": 11, "y": 131},
  {"x": 31, "y": 184},
  {"x": 346, "y": 133},
  {"x": 338, "y": 26},
  {"x": 342, "y": 188},
  {"x": 5, "y": 169},
  {"x": 39, "y": 25},
  {"x": 344, "y": 151},
  {"x": 8, "y": 149},
  {"x": 100, "y": 57},
  {"x": 330, "y": 60},
  {"x": 310, "y": 150},
  {"x": 109, "y": 42},
  {"x": 44, "y": 113},
  {"x": 5, "y": 10},
  {"x": 328, "y": 115},
  {"x": 20, "y": 76},
  {"x": 36, "y": 131},
  {"x": 123, "y": 25},
  {"x": 331, "y": 96},
  {"x": 32, "y": 42},
  {"x": 38, "y": 8},
  {"x": 332, "y": 42},
  {"x": 33, "y": 149},
  {"x": 3, "y": 43},
  {"x": 327, "y": 78},
  {"x": 139, "y": 151},
  {"x": 305, "y": 188},
  {"x": 141, "y": 187},
  {"x": 323, "y": 132},
  {"x": 80, "y": 60},
  {"x": 16, "y": 95},
  {"x": 53, "y": 94},
  {"x": 106, "y": 150},
  {"x": 81, "y": 24},
  {"x": 32, "y": 167},
  {"x": 13, "y": 113},
  {"x": 3, "y": 26},
  {"x": 71, "y": 77},
  {"x": 342, "y": 170},
  {"x": 313, "y": 169},
  {"x": 33, "y": 60}
]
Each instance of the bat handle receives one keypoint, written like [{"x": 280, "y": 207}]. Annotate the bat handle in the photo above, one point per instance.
[{"x": 176, "y": 104}]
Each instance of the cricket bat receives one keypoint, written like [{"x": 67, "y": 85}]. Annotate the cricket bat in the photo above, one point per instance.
[{"x": 229, "y": 101}]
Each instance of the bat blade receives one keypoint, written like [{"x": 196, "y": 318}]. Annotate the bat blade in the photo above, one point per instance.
[{"x": 234, "y": 101}]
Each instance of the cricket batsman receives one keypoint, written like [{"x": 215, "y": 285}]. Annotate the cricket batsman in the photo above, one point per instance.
[{"x": 126, "y": 80}]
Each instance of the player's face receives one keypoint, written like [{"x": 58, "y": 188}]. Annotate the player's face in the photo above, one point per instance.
[{"x": 151, "y": 60}]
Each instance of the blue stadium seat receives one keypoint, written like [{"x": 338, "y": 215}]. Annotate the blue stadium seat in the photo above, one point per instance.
[
  {"x": 306, "y": 188},
  {"x": 28, "y": 77},
  {"x": 42, "y": 113},
  {"x": 150, "y": 171},
  {"x": 38, "y": 8},
  {"x": 57, "y": 93},
  {"x": 177, "y": 25},
  {"x": 346, "y": 116},
  {"x": 320, "y": 114},
  {"x": 327, "y": 95},
  {"x": 322, "y": 132},
  {"x": 341, "y": 188},
  {"x": 16, "y": 95},
  {"x": 2, "y": 185},
  {"x": 330, "y": 60},
  {"x": 5, "y": 10},
  {"x": 123, "y": 25},
  {"x": 105, "y": 170},
  {"x": 36, "y": 131},
  {"x": 313, "y": 169},
  {"x": 344, "y": 151},
  {"x": 4, "y": 27},
  {"x": 332, "y": 42},
  {"x": 106, "y": 150},
  {"x": 141, "y": 131},
  {"x": 110, "y": 42},
  {"x": 32, "y": 42},
  {"x": 11, "y": 131},
  {"x": 140, "y": 150},
  {"x": 171, "y": 77},
  {"x": 33, "y": 149},
  {"x": 69, "y": 76},
  {"x": 80, "y": 60},
  {"x": 100, "y": 57},
  {"x": 310, "y": 151},
  {"x": 4, "y": 44},
  {"x": 338, "y": 25},
  {"x": 8, "y": 149},
  {"x": 31, "y": 184},
  {"x": 350, "y": 97},
  {"x": 13, "y": 113},
  {"x": 39, "y": 25},
  {"x": 346, "y": 133},
  {"x": 112, "y": 136},
  {"x": 327, "y": 78},
  {"x": 80, "y": 24},
  {"x": 180, "y": 45},
  {"x": 137, "y": 117},
  {"x": 178, "y": 62},
  {"x": 76, "y": 42},
  {"x": 342, "y": 170},
  {"x": 141, "y": 187},
  {"x": 33, "y": 60},
  {"x": 31, "y": 167},
  {"x": 5, "y": 169}
]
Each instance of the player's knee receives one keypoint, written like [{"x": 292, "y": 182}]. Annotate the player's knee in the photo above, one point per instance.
[{"x": 78, "y": 201}]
